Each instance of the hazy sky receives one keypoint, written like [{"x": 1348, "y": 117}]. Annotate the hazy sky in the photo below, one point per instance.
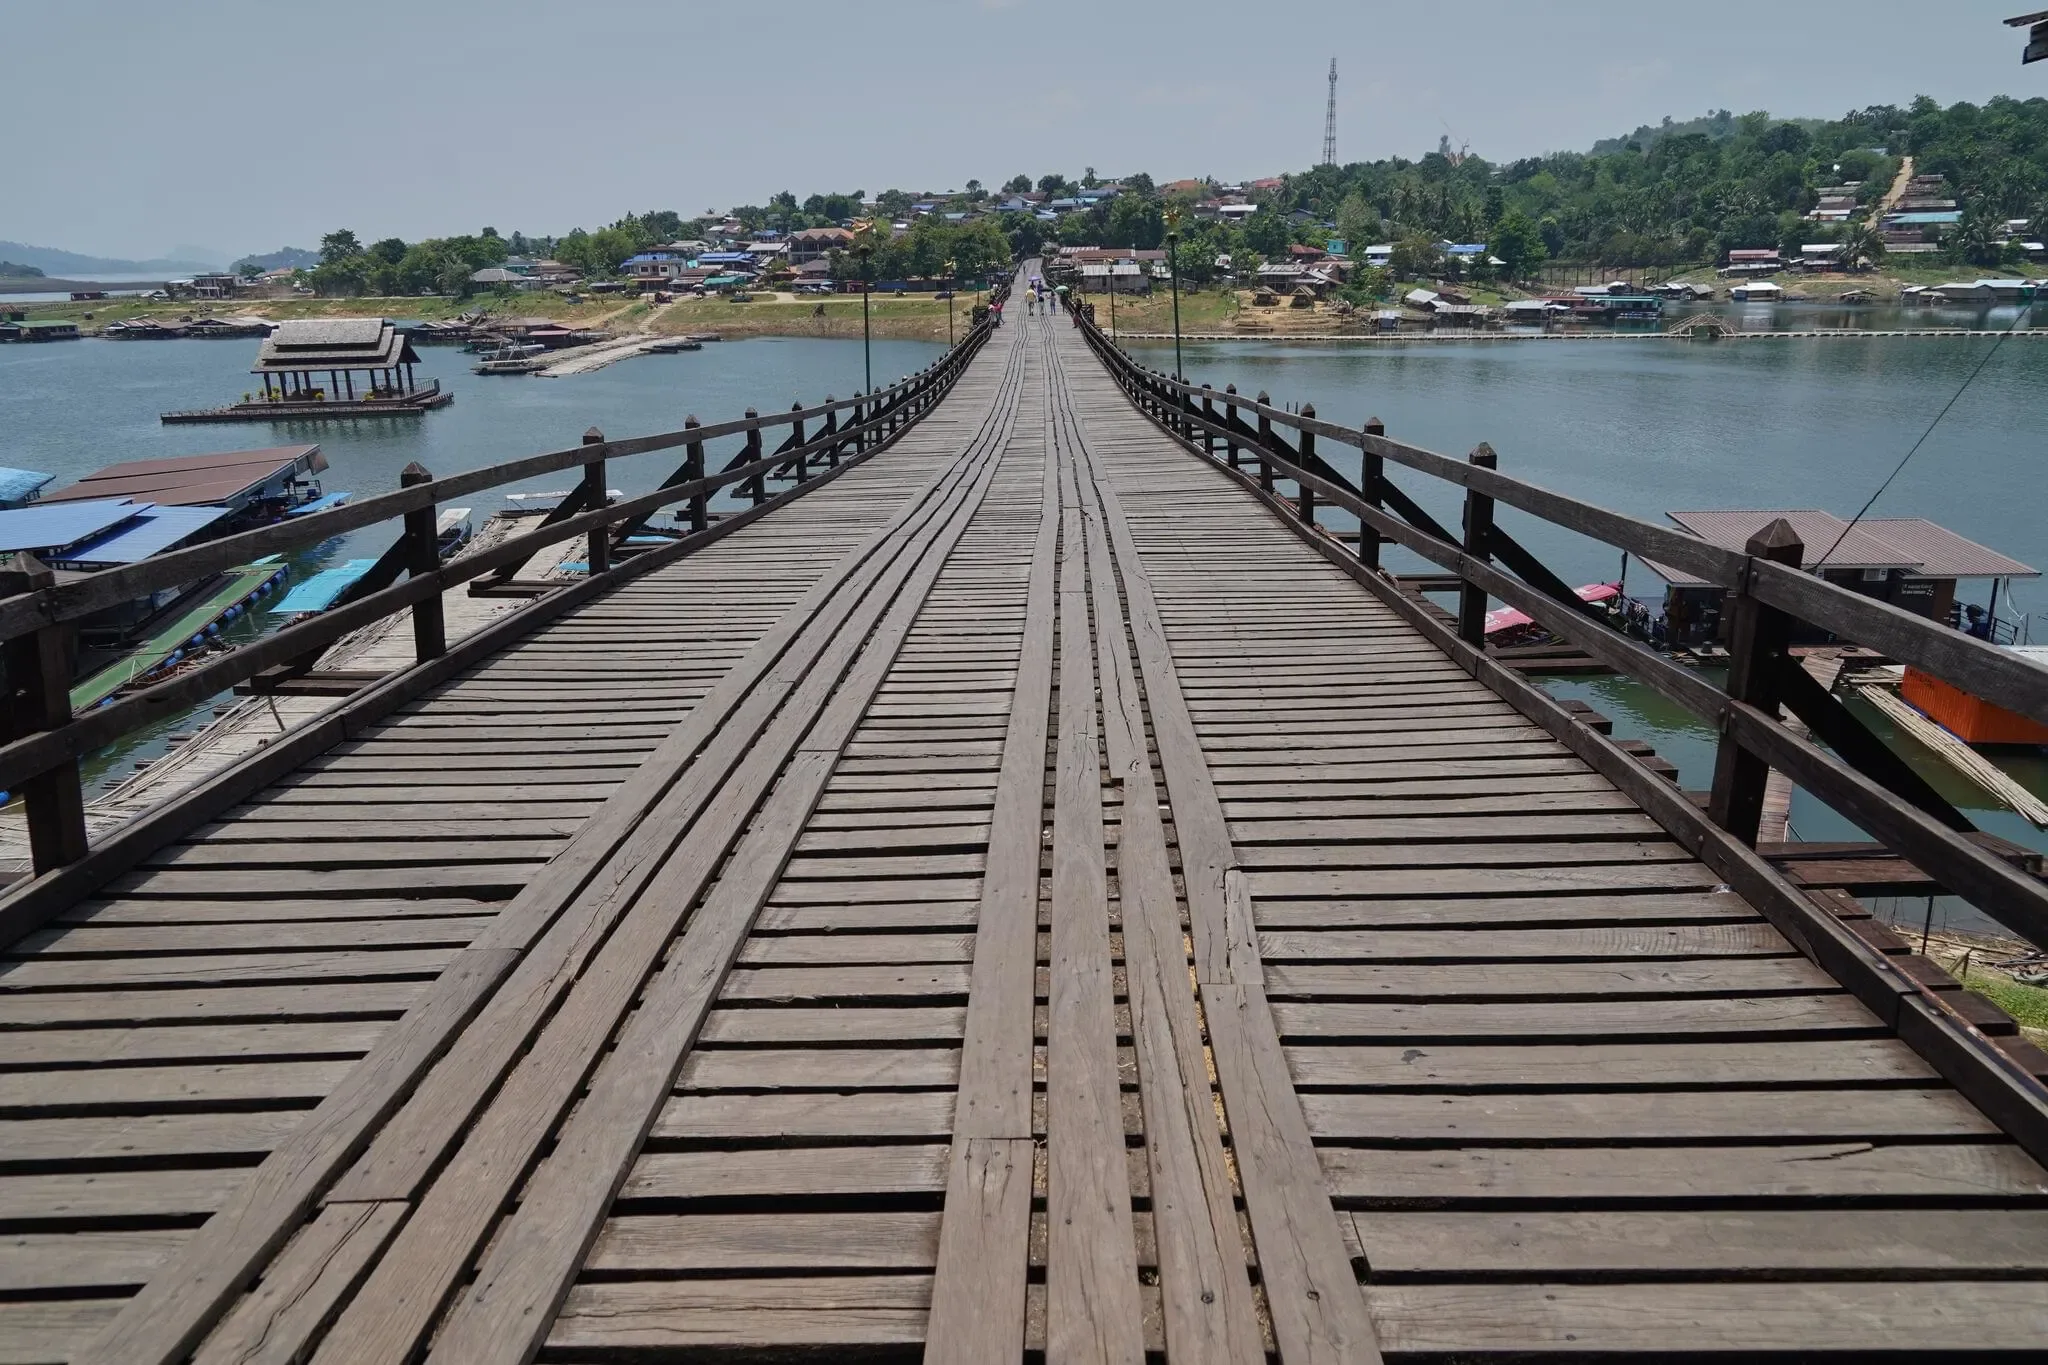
[{"x": 135, "y": 126}]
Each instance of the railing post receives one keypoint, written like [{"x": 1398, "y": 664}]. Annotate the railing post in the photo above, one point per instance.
[
  {"x": 693, "y": 469},
  {"x": 594, "y": 497},
  {"x": 797, "y": 436},
  {"x": 830, "y": 428},
  {"x": 39, "y": 684},
  {"x": 1478, "y": 530},
  {"x": 758, "y": 485},
  {"x": 1306, "y": 501},
  {"x": 1265, "y": 443},
  {"x": 1208, "y": 415},
  {"x": 1371, "y": 475},
  {"x": 859, "y": 419},
  {"x": 1230, "y": 419},
  {"x": 1759, "y": 639},
  {"x": 423, "y": 557}
]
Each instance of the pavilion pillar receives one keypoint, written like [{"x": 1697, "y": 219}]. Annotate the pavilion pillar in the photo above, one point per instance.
[{"x": 348, "y": 381}]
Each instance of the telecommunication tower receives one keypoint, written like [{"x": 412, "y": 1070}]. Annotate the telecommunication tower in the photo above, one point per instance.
[{"x": 1330, "y": 120}]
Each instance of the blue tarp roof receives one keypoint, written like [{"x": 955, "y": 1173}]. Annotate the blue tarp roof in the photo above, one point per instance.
[
  {"x": 51, "y": 526},
  {"x": 320, "y": 504},
  {"x": 157, "y": 529},
  {"x": 16, "y": 485},
  {"x": 318, "y": 592},
  {"x": 723, "y": 257},
  {"x": 1952, "y": 217}
]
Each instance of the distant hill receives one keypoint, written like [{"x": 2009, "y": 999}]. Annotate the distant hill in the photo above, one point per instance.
[
  {"x": 72, "y": 265},
  {"x": 10, "y": 271},
  {"x": 1720, "y": 126},
  {"x": 284, "y": 258}
]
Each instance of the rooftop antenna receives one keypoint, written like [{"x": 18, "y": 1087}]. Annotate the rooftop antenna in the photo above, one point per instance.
[{"x": 1330, "y": 120}]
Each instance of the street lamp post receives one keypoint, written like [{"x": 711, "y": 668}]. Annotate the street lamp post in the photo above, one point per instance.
[
  {"x": 1173, "y": 269},
  {"x": 1112, "y": 302},
  {"x": 867, "y": 360},
  {"x": 952, "y": 288}
]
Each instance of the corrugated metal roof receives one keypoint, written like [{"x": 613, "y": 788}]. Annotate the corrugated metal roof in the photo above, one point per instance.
[
  {"x": 49, "y": 528},
  {"x": 16, "y": 485},
  {"x": 1944, "y": 554},
  {"x": 1910, "y": 543},
  {"x": 136, "y": 539},
  {"x": 193, "y": 480}
]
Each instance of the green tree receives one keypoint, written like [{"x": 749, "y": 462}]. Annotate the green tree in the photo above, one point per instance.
[
  {"x": 1266, "y": 233},
  {"x": 1054, "y": 184},
  {"x": 1416, "y": 256},
  {"x": 338, "y": 246},
  {"x": 1358, "y": 223},
  {"x": 1518, "y": 243},
  {"x": 1862, "y": 245},
  {"x": 390, "y": 251},
  {"x": 248, "y": 270},
  {"x": 1135, "y": 222},
  {"x": 1017, "y": 184}
]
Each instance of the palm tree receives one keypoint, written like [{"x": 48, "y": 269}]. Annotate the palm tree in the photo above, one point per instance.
[{"x": 1862, "y": 245}]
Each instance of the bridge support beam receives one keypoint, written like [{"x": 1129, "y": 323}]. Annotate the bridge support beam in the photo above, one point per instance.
[
  {"x": 1759, "y": 637},
  {"x": 1306, "y": 499}
]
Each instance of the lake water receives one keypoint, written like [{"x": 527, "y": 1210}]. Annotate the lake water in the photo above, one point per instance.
[
  {"x": 1651, "y": 427},
  {"x": 67, "y": 408}
]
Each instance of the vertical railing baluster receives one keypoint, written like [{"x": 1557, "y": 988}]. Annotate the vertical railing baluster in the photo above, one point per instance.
[
  {"x": 1230, "y": 419},
  {"x": 1265, "y": 443},
  {"x": 1478, "y": 530},
  {"x": 1759, "y": 642},
  {"x": 1372, "y": 475},
  {"x": 1305, "y": 501},
  {"x": 693, "y": 469},
  {"x": 39, "y": 686},
  {"x": 796, "y": 434},
  {"x": 594, "y": 497},
  {"x": 758, "y": 485},
  {"x": 423, "y": 557}
]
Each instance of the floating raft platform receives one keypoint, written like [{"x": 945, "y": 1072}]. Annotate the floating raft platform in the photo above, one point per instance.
[{"x": 409, "y": 406}]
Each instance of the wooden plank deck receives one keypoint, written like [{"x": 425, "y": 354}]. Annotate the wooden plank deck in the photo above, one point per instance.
[{"x": 1018, "y": 901}]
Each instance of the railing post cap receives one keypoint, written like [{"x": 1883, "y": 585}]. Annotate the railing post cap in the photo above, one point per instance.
[
  {"x": 1263, "y": 400},
  {"x": 1375, "y": 424},
  {"x": 1308, "y": 410},
  {"x": 691, "y": 421},
  {"x": 1230, "y": 388},
  {"x": 1482, "y": 454},
  {"x": 414, "y": 473},
  {"x": 797, "y": 406},
  {"x": 593, "y": 437},
  {"x": 752, "y": 413},
  {"x": 1777, "y": 541}
]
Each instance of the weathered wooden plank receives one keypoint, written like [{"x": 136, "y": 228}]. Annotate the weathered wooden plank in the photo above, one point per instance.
[
  {"x": 301, "y": 1288},
  {"x": 659, "y": 1244},
  {"x": 1754, "y": 938},
  {"x": 759, "y": 1314},
  {"x": 1671, "y": 1018},
  {"x": 1611, "y": 1065},
  {"x": 890, "y": 1169},
  {"x": 1642, "y": 1116},
  {"x": 1541, "y": 1243},
  {"x": 1853, "y": 1317},
  {"x": 46, "y": 1261}
]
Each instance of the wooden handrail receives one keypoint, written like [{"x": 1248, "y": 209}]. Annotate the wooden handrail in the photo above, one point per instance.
[
  {"x": 1978, "y": 667},
  {"x": 2014, "y": 898},
  {"x": 56, "y": 742},
  {"x": 81, "y": 597}
]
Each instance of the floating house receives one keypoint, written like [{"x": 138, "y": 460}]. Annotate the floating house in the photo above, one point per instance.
[
  {"x": 16, "y": 326},
  {"x": 331, "y": 367},
  {"x": 1909, "y": 562},
  {"x": 252, "y": 486}
]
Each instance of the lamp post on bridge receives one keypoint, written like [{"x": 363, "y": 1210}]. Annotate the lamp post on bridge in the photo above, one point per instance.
[
  {"x": 1173, "y": 269},
  {"x": 866, "y": 252},
  {"x": 952, "y": 288}
]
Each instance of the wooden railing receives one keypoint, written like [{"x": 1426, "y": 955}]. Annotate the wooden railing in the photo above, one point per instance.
[
  {"x": 1768, "y": 590},
  {"x": 45, "y": 742}
]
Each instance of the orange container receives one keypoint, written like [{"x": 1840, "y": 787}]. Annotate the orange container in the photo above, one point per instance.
[{"x": 1969, "y": 718}]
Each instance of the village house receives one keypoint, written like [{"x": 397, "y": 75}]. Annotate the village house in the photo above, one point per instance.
[
  {"x": 1753, "y": 261},
  {"x": 656, "y": 267},
  {"x": 815, "y": 244}
]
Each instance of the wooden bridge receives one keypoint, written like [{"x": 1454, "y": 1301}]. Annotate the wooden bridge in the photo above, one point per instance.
[{"x": 1020, "y": 892}]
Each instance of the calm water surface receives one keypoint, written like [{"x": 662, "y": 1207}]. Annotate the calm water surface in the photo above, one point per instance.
[
  {"x": 67, "y": 408},
  {"x": 1652, "y": 427}
]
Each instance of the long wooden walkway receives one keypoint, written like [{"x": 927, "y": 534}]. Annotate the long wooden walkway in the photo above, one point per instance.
[{"x": 1017, "y": 902}]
